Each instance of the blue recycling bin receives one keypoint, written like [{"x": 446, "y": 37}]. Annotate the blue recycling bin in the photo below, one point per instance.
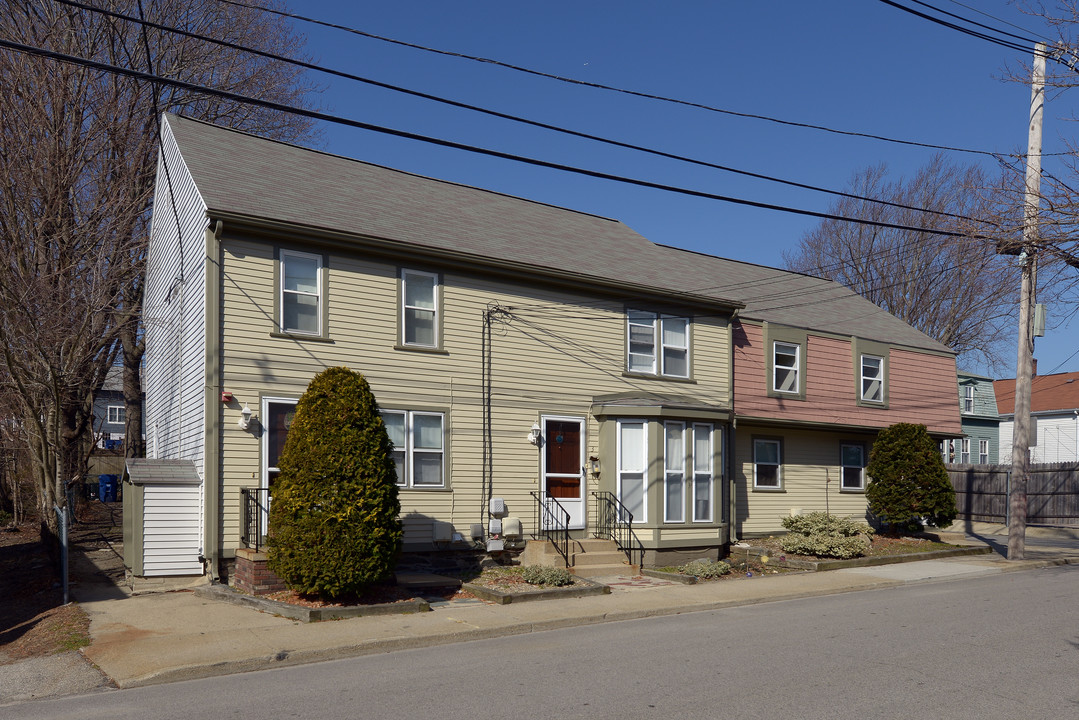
[{"x": 106, "y": 487}]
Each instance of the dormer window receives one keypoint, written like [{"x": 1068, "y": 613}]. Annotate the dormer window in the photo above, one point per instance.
[
  {"x": 968, "y": 399},
  {"x": 872, "y": 378},
  {"x": 785, "y": 367}
]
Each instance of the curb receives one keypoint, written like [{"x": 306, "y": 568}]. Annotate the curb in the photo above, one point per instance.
[
  {"x": 227, "y": 594},
  {"x": 591, "y": 587}
]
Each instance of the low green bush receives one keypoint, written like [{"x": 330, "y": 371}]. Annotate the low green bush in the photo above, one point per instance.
[
  {"x": 707, "y": 569},
  {"x": 825, "y": 535},
  {"x": 541, "y": 575}
]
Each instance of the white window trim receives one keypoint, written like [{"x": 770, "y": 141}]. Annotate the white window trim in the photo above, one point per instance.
[
  {"x": 779, "y": 465},
  {"x": 709, "y": 429},
  {"x": 669, "y": 470},
  {"x": 797, "y": 368},
  {"x": 843, "y": 468},
  {"x": 114, "y": 412},
  {"x": 964, "y": 451},
  {"x": 879, "y": 377},
  {"x": 411, "y": 450},
  {"x": 983, "y": 452},
  {"x": 664, "y": 346},
  {"x": 405, "y": 272},
  {"x": 658, "y": 357},
  {"x": 640, "y": 323},
  {"x": 644, "y": 464},
  {"x": 968, "y": 399},
  {"x": 283, "y": 258}
]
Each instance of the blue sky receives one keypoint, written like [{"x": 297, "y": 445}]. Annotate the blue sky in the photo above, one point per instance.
[{"x": 855, "y": 65}]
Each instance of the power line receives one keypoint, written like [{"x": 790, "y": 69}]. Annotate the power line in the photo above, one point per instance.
[
  {"x": 611, "y": 88},
  {"x": 926, "y": 5},
  {"x": 994, "y": 17},
  {"x": 505, "y": 116},
  {"x": 326, "y": 117}
]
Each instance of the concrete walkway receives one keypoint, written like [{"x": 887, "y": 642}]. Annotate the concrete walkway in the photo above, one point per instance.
[{"x": 146, "y": 638}]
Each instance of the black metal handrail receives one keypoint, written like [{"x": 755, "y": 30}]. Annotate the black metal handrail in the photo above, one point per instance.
[
  {"x": 254, "y": 506},
  {"x": 552, "y": 522},
  {"x": 615, "y": 522}
]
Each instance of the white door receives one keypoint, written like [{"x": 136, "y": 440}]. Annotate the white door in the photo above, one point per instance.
[{"x": 562, "y": 469}]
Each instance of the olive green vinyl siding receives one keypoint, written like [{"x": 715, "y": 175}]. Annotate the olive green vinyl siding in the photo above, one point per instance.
[
  {"x": 811, "y": 470},
  {"x": 551, "y": 353}
]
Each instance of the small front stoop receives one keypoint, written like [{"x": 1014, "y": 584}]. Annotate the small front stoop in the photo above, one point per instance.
[{"x": 587, "y": 558}]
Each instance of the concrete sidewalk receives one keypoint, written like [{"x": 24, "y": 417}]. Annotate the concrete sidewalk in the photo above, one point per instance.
[
  {"x": 163, "y": 637},
  {"x": 142, "y": 638}
]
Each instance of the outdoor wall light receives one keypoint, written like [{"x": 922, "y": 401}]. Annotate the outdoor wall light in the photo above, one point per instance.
[
  {"x": 593, "y": 461},
  {"x": 534, "y": 434},
  {"x": 245, "y": 418}
]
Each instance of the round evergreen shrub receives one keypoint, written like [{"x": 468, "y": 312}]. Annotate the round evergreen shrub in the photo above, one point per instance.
[
  {"x": 334, "y": 526},
  {"x": 908, "y": 483}
]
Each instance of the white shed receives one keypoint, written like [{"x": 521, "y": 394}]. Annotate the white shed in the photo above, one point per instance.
[{"x": 163, "y": 518}]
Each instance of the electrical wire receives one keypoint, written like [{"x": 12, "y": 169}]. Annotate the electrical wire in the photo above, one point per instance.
[
  {"x": 326, "y": 117},
  {"x": 501, "y": 115},
  {"x": 611, "y": 88}
]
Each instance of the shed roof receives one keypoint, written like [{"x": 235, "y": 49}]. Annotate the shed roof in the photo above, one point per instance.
[
  {"x": 241, "y": 175},
  {"x": 142, "y": 471}
]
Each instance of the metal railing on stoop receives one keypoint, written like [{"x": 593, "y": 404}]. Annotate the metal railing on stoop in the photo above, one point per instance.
[
  {"x": 615, "y": 522},
  {"x": 254, "y": 506},
  {"x": 552, "y": 522}
]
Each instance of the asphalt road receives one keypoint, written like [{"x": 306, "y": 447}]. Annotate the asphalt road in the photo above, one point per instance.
[{"x": 998, "y": 646}]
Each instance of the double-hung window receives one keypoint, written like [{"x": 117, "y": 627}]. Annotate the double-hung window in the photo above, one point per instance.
[
  {"x": 983, "y": 452},
  {"x": 418, "y": 447},
  {"x": 301, "y": 293},
  {"x": 852, "y": 458},
  {"x": 785, "y": 366},
  {"x": 964, "y": 451},
  {"x": 674, "y": 472},
  {"x": 419, "y": 309},
  {"x": 872, "y": 378},
  {"x": 767, "y": 458},
  {"x": 968, "y": 399},
  {"x": 702, "y": 472},
  {"x": 657, "y": 344},
  {"x": 117, "y": 414}
]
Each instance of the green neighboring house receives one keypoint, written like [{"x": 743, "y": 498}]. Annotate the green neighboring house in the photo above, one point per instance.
[{"x": 981, "y": 423}]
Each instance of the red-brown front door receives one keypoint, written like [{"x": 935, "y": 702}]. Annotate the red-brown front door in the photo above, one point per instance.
[{"x": 563, "y": 466}]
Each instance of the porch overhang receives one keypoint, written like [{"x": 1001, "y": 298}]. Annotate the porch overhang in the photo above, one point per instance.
[{"x": 657, "y": 405}]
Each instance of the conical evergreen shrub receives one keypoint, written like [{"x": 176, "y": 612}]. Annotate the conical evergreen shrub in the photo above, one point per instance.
[
  {"x": 334, "y": 527},
  {"x": 908, "y": 482}
]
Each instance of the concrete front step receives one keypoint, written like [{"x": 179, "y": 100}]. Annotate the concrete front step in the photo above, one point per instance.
[
  {"x": 595, "y": 571},
  {"x": 606, "y": 557}
]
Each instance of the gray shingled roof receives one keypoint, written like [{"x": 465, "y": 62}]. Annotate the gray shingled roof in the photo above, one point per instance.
[
  {"x": 243, "y": 175},
  {"x": 162, "y": 472}
]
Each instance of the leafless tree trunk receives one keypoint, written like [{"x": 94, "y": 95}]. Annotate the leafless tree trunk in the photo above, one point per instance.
[{"x": 78, "y": 153}]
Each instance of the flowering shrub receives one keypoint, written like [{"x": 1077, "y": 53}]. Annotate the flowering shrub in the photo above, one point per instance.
[
  {"x": 825, "y": 535},
  {"x": 706, "y": 569}
]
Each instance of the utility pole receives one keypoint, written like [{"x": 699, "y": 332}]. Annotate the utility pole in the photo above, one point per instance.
[{"x": 1017, "y": 500}]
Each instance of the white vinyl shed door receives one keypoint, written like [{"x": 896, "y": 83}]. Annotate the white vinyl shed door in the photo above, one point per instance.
[{"x": 172, "y": 530}]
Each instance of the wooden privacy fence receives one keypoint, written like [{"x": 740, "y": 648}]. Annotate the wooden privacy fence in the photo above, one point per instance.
[{"x": 981, "y": 492}]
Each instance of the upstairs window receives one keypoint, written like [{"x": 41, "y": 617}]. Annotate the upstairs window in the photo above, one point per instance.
[
  {"x": 647, "y": 331},
  {"x": 852, "y": 458},
  {"x": 872, "y": 378},
  {"x": 785, "y": 367},
  {"x": 301, "y": 293},
  {"x": 968, "y": 399},
  {"x": 117, "y": 414},
  {"x": 419, "y": 309}
]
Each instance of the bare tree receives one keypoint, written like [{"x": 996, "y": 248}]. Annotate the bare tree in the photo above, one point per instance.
[
  {"x": 957, "y": 290},
  {"x": 78, "y": 152}
]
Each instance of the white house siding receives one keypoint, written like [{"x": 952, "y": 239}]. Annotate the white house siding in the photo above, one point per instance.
[
  {"x": 810, "y": 472},
  {"x": 174, "y": 314},
  {"x": 550, "y": 356},
  {"x": 1058, "y": 438}
]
